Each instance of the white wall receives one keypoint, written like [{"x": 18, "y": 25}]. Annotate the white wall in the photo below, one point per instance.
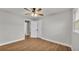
[
  {"x": 58, "y": 27},
  {"x": 11, "y": 27}
]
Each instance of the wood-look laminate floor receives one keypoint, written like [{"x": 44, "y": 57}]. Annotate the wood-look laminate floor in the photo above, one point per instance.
[{"x": 31, "y": 44}]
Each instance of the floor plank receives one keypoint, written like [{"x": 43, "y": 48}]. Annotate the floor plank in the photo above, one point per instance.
[{"x": 32, "y": 44}]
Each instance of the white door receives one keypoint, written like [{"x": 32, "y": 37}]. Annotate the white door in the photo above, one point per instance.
[
  {"x": 39, "y": 23},
  {"x": 25, "y": 28},
  {"x": 34, "y": 29}
]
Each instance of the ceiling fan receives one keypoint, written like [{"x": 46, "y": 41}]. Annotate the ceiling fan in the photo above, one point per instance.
[{"x": 34, "y": 11}]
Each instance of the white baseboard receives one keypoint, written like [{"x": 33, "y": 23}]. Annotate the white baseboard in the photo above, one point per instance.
[
  {"x": 64, "y": 44},
  {"x": 23, "y": 38}
]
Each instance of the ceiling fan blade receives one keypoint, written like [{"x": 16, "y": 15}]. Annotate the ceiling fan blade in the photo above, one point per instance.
[
  {"x": 27, "y": 9},
  {"x": 27, "y": 13},
  {"x": 39, "y": 9},
  {"x": 41, "y": 14}
]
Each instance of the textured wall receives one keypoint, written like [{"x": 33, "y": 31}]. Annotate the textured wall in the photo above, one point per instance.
[
  {"x": 11, "y": 27},
  {"x": 58, "y": 27}
]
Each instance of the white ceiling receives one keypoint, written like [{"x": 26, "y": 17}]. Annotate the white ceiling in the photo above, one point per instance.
[
  {"x": 50, "y": 11},
  {"x": 46, "y": 11}
]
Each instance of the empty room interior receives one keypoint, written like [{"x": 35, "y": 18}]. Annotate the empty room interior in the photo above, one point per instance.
[{"x": 39, "y": 29}]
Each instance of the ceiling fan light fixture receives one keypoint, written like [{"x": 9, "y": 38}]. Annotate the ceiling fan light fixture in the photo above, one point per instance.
[
  {"x": 35, "y": 12},
  {"x": 32, "y": 14}
]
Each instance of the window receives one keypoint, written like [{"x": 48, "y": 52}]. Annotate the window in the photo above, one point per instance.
[{"x": 76, "y": 20}]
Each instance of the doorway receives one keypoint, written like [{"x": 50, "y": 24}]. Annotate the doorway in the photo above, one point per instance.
[
  {"x": 27, "y": 30},
  {"x": 32, "y": 29}
]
